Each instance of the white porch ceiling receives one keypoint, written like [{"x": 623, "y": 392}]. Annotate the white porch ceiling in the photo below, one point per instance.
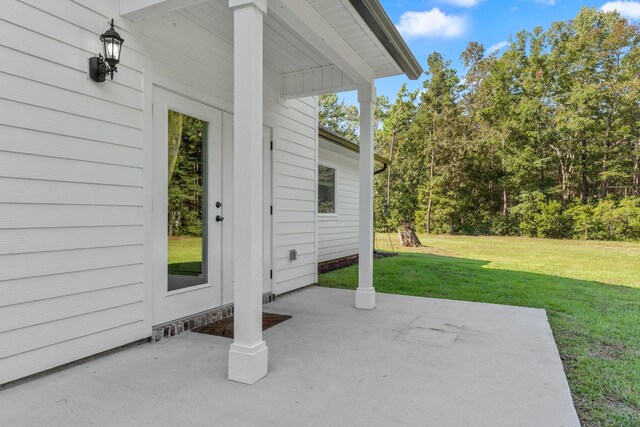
[
  {"x": 284, "y": 51},
  {"x": 323, "y": 46}
]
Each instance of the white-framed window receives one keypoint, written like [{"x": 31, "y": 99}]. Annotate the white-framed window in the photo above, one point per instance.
[{"x": 326, "y": 190}]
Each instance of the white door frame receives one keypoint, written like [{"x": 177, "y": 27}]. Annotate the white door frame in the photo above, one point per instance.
[
  {"x": 168, "y": 306},
  {"x": 153, "y": 80}
]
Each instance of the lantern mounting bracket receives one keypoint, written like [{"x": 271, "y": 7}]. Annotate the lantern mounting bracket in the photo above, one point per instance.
[{"x": 98, "y": 69}]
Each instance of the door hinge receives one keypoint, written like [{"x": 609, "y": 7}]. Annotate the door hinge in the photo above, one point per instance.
[
  {"x": 271, "y": 274},
  {"x": 271, "y": 145}
]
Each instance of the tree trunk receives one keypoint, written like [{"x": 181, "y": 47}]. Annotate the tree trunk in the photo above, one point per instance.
[
  {"x": 565, "y": 186},
  {"x": 604, "y": 184},
  {"x": 505, "y": 202},
  {"x": 408, "y": 236},
  {"x": 392, "y": 150},
  {"x": 584, "y": 190},
  {"x": 176, "y": 121},
  {"x": 429, "y": 205},
  {"x": 492, "y": 199},
  {"x": 174, "y": 223},
  {"x": 636, "y": 170},
  {"x": 566, "y": 170},
  {"x": 452, "y": 230},
  {"x": 586, "y": 230},
  {"x": 491, "y": 184},
  {"x": 430, "y": 202}
]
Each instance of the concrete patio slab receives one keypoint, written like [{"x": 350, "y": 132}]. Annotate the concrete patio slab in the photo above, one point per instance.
[{"x": 410, "y": 361}]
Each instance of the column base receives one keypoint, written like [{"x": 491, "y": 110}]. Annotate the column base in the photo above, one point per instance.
[
  {"x": 248, "y": 365},
  {"x": 366, "y": 298}
]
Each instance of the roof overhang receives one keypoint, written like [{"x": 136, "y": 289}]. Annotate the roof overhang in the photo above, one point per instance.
[
  {"x": 380, "y": 24},
  {"x": 336, "y": 45},
  {"x": 341, "y": 141},
  {"x": 356, "y": 36}
]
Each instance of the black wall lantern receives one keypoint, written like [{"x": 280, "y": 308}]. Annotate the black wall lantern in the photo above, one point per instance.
[{"x": 100, "y": 66}]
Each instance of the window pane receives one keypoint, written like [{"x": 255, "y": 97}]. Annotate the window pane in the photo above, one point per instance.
[
  {"x": 326, "y": 189},
  {"x": 186, "y": 221}
]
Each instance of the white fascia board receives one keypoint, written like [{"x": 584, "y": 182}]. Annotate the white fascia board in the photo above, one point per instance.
[
  {"x": 307, "y": 23},
  {"x": 137, "y": 10}
]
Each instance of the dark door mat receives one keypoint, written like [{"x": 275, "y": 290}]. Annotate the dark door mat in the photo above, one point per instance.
[{"x": 224, "y": 327}]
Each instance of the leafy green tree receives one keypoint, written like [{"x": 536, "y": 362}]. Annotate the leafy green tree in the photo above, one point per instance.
[
  {"x": 186, "y": 185},
  {"x": 338, "y": 116},
  {"x": 542, "y": 140},
  {"x": 438, "y": 130},
  {"x": 395, "y": 122}
]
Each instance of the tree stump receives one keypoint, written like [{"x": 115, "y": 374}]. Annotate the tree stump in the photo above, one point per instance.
[{"x": 408, "y": 236}]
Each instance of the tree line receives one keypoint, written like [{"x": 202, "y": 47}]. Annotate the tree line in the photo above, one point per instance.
[
  {"x": 185, "y": 195},
  {"x": 541, "y": 140}
]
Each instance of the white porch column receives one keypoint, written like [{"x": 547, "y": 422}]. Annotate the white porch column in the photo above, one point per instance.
[
  {"x": 366, "y": 294},
  {"x": 248, "y": 354}
]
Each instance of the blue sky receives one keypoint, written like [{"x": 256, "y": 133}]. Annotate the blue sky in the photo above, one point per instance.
[{"x": 447, "y": 26}]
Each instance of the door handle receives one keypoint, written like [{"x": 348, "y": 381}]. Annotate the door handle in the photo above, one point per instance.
[{"x": 219, "y": 218}]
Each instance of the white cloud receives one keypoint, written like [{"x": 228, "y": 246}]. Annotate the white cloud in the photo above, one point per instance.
[
  {"x": 461, "y": 3},
  {"x": 546, "y": 2},
  {"x": 628, "y": 9},
  {"x": 431, "y": 23},
  {"x": 496, "y": 47}
]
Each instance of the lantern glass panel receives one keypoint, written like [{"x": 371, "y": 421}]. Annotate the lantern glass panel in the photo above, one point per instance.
[{"x": 113, "y": 50}]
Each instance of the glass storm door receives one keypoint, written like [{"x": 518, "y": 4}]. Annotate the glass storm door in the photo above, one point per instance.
[{"x": 187, "y": 140}]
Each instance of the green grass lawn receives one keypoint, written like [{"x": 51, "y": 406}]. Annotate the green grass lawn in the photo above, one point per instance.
[
  {"x": 591, "y": 291},
  {"x": 185, "y": 256}
]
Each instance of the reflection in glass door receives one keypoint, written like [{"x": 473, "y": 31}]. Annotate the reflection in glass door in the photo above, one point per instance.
[{"x": 186, "y": 201}]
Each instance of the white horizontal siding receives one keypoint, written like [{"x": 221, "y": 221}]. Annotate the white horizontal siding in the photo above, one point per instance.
[
  {"x": 19, "y": 241},
  {"x": 44, "y": 311},
  {"x": 47, "y": 144},
  {"x": 72, "y": 177},
  {"x": 338, "y": 234},
  {"x": 16, "y": 266},
  {"x": 68, "y": 328},
  {"x": 17, "y": 215},
  {"x": 34, "y": 166},
  {"x": 295, "y": 196},
  {"x": 24, "y": 290},
  {"x": 71, "y": 198},
  {"x": 36, "y": 191},
  {"x": 31, "y": 362},
  {"x": 294, "y": 162}
]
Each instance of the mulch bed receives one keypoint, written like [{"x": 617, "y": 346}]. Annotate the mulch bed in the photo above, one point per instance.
[
  {"x": 224, "y": 327},
  {"x": 347, "y": 261}
]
